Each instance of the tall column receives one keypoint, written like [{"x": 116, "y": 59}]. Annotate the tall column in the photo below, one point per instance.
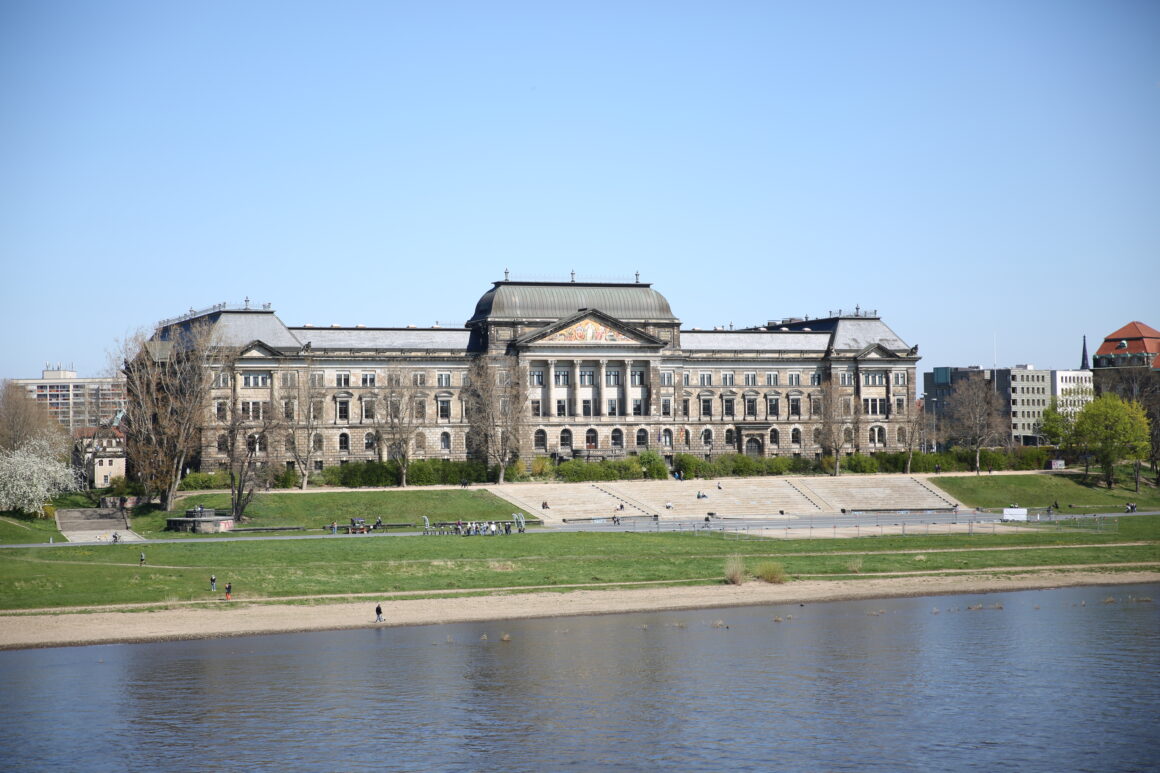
[
  {"x": 601, "y": 377},
  {"x": 574, "y": 391},
  {"x": 551, "y": 399}
]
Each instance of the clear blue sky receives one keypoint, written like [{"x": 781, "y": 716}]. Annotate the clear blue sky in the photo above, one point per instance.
[{"x": 985, "y": 174}]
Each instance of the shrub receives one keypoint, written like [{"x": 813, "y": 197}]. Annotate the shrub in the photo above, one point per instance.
[
  {"x": 776, "y": 465},
  {"x": 331, "y": 476},
  {"x": 771, "y": 572},
  {"x": 288, "y": 478},
  {"x": 688, "y": 465},
  {"x": 734, "y": 570},
  {"x": 654, "y": 466},
  {"x": 120, "y": 487},
  {"x": 542, "y": 467},
  {"x": 800, "y": 465},
  {"x": 194, "y": 481},
  {"x": 860, "y": 463}
]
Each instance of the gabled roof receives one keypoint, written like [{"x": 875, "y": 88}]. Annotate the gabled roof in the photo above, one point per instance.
[
  {"x": 591, "y": 327},
  {"x": 1136, "y": 337}
]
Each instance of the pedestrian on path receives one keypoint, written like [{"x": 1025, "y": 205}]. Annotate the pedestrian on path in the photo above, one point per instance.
[
  {"x": 229, "y": 591},
  {"x": 212, "y": 582},
  {"x": 379, "y": 613},
  {"x": 142, "y": 562}
]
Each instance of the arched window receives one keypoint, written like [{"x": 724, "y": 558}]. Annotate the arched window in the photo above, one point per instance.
[
  {"x": 817, "y": 437},
  {"x": 566, "y": 438},
  {"x": 753, "y": 447},
  {"x": 795, "y": 437},
  {"x": 344, "y": 442},
  {"x": 617, "y": 438},
  {"x": 540, "y": 440},
  {"x": 728, "y": 437},
  {"x": 848, "y": 435},
  {"x": 667, "y": 438},
  {"x": 316, "y": 442},
  {"x": 420, "y": 441},
  {"x": 642, "y": 437},
  {"x": 591, "y": 439},
  {"x": 877, "y": 435},
  {"x": 369, "y": 442},
  {"x": 256, "y": 443},
  {"x": 445, "y": 441},
  {"x": 707, "y": 437},
  {"x": 223, "y": 443},
  {"x": 774, "y": 437},
  {"x": 902, "y": 434},
  {"x": 688, "y": 438}
]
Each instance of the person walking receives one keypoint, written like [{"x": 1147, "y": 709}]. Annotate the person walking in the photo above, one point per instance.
[
  {"x": 229, "y": 591},
  {"x": 212, "y": 582},
  {"x": 379, "y": 613},
  {"x": 142, "y": 561}
]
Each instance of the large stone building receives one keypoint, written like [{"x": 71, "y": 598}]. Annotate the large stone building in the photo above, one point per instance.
[
  {"x": 609, "y": 372},
  {"x": 76, "y": 402}
]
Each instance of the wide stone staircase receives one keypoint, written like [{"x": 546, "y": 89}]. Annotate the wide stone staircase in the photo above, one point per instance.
[{"x": 93, "y": 524}]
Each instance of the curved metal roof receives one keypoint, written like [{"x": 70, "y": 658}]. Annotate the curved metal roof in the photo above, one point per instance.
[{"x": 636, "y": 302}]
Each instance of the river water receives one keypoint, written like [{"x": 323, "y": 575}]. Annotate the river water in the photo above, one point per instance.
[{"x": 1057, "y": 680}]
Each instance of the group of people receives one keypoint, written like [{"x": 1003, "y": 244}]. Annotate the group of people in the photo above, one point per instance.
[
  {"x": 229, "y": 587},
  {"x": 488, "y": 528}
]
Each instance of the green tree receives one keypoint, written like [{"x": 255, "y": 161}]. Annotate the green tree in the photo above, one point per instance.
[
  {"x": 1113, "y": 429},
  {"x": 1056, "y": 426}
]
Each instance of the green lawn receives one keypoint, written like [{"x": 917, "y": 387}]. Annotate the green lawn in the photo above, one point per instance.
[
  {"x": 18, "y": 529},
  {"x": 316, "y": 510},
  {"x": 69, "y": 577},
  {"x": 1071, "y": 491}
]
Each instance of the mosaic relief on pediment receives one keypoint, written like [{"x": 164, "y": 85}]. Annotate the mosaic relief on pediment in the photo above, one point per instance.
[{"x": 588, "y": 331}]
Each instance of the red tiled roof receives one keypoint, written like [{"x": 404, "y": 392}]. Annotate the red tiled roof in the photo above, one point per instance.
[{"x": 1139, "y": 338}]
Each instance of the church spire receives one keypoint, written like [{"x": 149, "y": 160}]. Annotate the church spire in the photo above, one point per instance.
[{"x": 1083, "y": 364}]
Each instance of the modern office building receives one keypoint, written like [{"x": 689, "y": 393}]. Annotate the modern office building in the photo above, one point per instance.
[
  {"x": 76, "y": 402},
  {"x": 609, "y": 372}
]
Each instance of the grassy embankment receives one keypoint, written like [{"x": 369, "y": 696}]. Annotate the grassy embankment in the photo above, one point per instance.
[
  {"x": 1073, "y": 493},
  {"x": 316, "y": 569}
]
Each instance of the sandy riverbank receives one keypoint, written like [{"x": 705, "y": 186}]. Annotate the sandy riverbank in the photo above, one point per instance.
[{"x": 79, "y": 627}]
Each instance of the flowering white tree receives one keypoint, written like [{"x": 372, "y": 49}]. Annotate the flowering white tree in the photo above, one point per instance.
[{"x": 33, "y": 474}]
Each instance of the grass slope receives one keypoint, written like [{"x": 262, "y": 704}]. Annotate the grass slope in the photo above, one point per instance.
[{"x": 1071, "y": 491}]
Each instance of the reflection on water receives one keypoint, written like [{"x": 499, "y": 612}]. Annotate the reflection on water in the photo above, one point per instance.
[{"x": 1034, "y": 680}]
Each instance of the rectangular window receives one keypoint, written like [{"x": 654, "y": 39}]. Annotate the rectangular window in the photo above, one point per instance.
[
  {"x": 900, "y": 405},
  {"x": 636, "y": 378},
  {"x": 706, "y": 407},
  {"x": 561, "y": 378},
  {"x": 726, "y": 379},
  {"x": 815, "y": 379},
  {"x": 706, "y": 379},
  {"x": 666, "y": 378},
  {"x": 846, "y": 379},
  {"x": 368, "y": 379},
  {"x": 750, "y": 379},
  {"x": 900, "y": 378},
  {"x": 343, "y": 407},
  {"x": 771, "y": 379},
  {"x": 637, "y": 407},
  {"x": 444, "y": 409},
  {"x": 368, "y": 408},
  {"x": 815, "y": 406},
  {"x": 289, "y": 379},
  {"x": 728, "y": 407},
  {"x": 316, "y": 410},
  {"x": 342, "y": 379},
  {"x": 795, "y": 406},
  {"x": 421, "y": 409},
  {"x": 288, "y": 410},
  {"x": 874, "y": 406},
  {"x": 751, "y": 407},
  {"x": 221, "y": 379},
  {"x": 685, "y": 407},
  {"x": 561, "y": 407},
  {"x": 535, "y": 378},
  {"x": 612, "y": 378},
  {"x": 255, "y": 379},
  {"x": 444, "y": 379},
  {"x": 685, "y": 378},
  {"x": 795, "y": 379},
  {"x": 773, "y": 406},
  {"x": 874, "y": 378},
  {"x": 666, "y": 407},
  {"x": 253, "y": 410},
  {"x": 394, "y": 379},
  {"x": 536, "y": 408},
  {"x": 318, "y": 465},
  {"x": 221, "y": 411},
  {"x": 317, "y": 379},
  {"x": 586, "y": 407},
  {"x": 587, "y": 377},
  {"x": 612, "y": 407},
  {"x": 419, "y": 379}
]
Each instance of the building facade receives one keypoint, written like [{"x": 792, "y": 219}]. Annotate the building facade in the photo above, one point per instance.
[
  {"x": 76, "y": 402},
  {"x": 608, "y": 368}
]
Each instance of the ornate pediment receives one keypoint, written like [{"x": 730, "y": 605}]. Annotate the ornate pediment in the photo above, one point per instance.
[
  {"x": 590, "y": 328},
  {"x": 875, "y": 352}
]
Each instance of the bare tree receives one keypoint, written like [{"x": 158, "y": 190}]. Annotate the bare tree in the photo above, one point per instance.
[
  {"x": 168, "y": 378},
  {"x": 496, "y": 402},
  {"x": 974, "y": 416},
  {"x": 22, "y": 418},
  {"x": 400, "y": 410},
  {"x": 914, "y": 425},
  {"x": 249, "y": 440},
  {"x": 303, "y": 404},
  {"x": 834, "y": 413}
]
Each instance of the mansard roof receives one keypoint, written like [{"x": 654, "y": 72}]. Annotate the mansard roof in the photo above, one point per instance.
[
  {"x": 632, "y": 302},
  {"x": 234, "y": 328},
  {"x": 753, "y": 341},
  {"x": 1137, "y": 338},
  {"x": 371, "y": 338}
]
